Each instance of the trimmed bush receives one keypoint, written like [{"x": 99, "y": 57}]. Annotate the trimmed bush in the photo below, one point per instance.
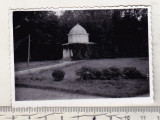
[
  {"x": 58, "y": 74},
  {"x": 113, "y": 73},
  {"x": 133, "y": 73},
  {"x": 88, "y": 73},
  {"x": 106, "y": 74}
]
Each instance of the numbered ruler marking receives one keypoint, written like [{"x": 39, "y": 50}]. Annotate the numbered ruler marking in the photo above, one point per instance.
[{"x": 82, "y": 113}]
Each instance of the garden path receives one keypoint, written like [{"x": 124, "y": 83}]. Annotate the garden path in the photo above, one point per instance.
[
  {"x": 41, "y": 94},
  {"x": 32, "y": 70}
]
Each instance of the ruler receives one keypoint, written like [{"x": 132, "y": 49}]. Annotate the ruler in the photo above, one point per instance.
[{"x": 80, "y": 113}]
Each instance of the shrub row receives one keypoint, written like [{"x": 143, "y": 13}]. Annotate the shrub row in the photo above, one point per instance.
[
  {"x": 114, "y": 73},
  {"x": 111, "y": 73}
]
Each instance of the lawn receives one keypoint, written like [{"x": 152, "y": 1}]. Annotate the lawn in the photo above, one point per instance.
[{"x": 102, "y": 88}]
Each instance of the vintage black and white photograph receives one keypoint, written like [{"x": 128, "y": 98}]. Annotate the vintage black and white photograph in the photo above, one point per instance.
[{"x": 66, "y": 54}]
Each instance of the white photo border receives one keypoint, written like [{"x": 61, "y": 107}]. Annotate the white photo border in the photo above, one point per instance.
[{"x": 137, "y": 101}]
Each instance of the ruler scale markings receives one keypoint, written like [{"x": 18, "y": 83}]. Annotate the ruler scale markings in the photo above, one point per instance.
[
  {"x": 59, "y": 110},
  {"x": 49, "y": 109},
  {"x": 37, "y": 109},
  {"x": 146, "y": 111},
  {"x": 70, "y": 110},
  {"x": 149, "y": 109},
  {"x": 62, "y": 109},
  {"x": 67, "y": 109},
  {"x": 52, "y": 109},
  {"x": 44, "y": 109},
  {"x": 6, "y": 108},
  {"x": 21, "y": 109},
  {"x": 26, "y": 109},
  {"x": 3, "y": 109},
  {"x": 29, "y": 110},
  {"x": 9, "y": 109},
  {"x": 156, "y": 109},
  {"x": 131, "y": 109}
]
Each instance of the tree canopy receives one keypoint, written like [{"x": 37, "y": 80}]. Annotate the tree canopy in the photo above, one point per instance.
[{"x": 117, "y": 32}]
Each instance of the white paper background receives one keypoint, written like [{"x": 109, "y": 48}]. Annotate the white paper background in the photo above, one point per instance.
[{"x": 5, "y": 72}]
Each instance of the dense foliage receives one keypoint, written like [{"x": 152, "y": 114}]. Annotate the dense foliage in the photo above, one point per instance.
[
  {"x": 111, "y": 73},
  {"x": 117, "y": 33},
  {"x": 133, "y": 73},
  {"x": 88, "y": 73}
]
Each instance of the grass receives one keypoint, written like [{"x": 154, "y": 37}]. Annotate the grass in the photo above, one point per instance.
[{"x": 104, "y": 88}]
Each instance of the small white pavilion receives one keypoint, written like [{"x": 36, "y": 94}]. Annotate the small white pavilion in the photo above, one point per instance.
[{"x": 77, "y": 36}]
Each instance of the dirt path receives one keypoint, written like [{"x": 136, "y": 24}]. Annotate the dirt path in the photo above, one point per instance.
[
  {"x": 23, "y": 94},
  {"x": 32, "y": 70},
  {"x": 39, "y": 94}
]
